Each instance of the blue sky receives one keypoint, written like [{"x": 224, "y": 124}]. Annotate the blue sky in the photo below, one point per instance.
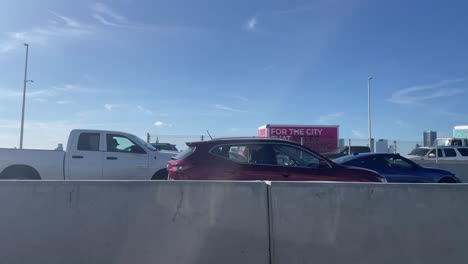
[{"x": 181, "y": 67}]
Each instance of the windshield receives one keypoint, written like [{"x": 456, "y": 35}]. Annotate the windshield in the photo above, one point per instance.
[
  {"x": 144, "y": 143},
  {"x": 419, "y": 152},
  {"x": 344, "y": 159},
  {"x": 340, "y": 150}
]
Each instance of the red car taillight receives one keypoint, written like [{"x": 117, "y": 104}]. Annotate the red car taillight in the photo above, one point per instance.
[{"x": 178, "y": 166}]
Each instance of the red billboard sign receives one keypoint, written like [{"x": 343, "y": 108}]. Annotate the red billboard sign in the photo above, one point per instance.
[{"x": 318, "y": 138}]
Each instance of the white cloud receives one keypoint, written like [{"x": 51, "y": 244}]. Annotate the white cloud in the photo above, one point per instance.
[
  {"x": 358, "y": 134},
  {"x": 227, "y": 108},
  {"x": 251, "y": 24},
  {"x": 419, "y": 94},
  {"x": 158, "y": 123},
  {"x": 142, "y": 109},
  {"x": 109, "y": 106},
  {"x": 64, "y": 102},
  {"x": 330, "y": 118}
]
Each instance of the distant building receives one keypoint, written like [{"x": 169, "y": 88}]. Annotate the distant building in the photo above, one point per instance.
[
  {"x": 372, "y": 145},
  {"x": 341, "y": 142},
  {"x": 429, "y": 138},
  {"x": 381, "y": 146},
  {"x": 391, "y": 149}
]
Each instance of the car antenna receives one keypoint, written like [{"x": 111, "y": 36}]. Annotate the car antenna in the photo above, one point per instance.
[{"x": 209, "y": 134}]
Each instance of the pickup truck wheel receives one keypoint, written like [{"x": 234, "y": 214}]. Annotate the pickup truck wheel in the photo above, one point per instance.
[
  {"x": 20, "y": 172},
  {"x": 160, "y": 175}
]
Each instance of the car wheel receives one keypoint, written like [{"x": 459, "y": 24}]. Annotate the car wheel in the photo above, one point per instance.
[
  {"x": 447, "y": 180},
  {"x": 160, "y": 175}
]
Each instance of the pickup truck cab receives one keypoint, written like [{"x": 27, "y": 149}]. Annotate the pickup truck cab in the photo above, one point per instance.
[
  {"x": 443, "y": 153},
  {"x": 90, "y": 155}
]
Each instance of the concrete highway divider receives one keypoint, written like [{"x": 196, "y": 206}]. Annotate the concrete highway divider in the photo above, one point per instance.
[
  {"x": 368, "y": 223},
  {"x": 99, "y": 222}
]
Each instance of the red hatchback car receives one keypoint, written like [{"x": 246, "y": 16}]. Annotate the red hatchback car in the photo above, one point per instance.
[{"x": 249, "y": 159}]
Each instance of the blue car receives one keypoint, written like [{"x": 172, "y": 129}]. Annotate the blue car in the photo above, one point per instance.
[{"x": 396, "y": 168}]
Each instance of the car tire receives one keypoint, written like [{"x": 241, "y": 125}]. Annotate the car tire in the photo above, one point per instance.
[
  {"x": 160, "y": 175},
  {"x": 447, "y": 180}
]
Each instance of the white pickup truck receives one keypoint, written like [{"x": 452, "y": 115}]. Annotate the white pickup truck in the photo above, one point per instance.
[{"x": 90, "y": 155}]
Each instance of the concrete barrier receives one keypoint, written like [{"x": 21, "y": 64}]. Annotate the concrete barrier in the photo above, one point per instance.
[
  {"x": 368, "y": 223},
  {"x": 460, "y": 168},
  {"x": 133, "y": 222}
]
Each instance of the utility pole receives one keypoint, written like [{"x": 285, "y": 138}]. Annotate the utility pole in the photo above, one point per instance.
[
  {"x": 24, "y": 95},
  {"x": 369, "y": 113},
  {"x": 148, "y": 137}
]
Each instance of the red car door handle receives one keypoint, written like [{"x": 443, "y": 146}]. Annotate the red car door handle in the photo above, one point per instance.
[
  {"x": 285, "y": 174},
  {"x": 229, "y": 171}
]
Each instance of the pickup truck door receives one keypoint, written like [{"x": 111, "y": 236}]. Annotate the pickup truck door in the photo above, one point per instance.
[
  {"x": 84, "y": 160},
  {"x": 124, "y": 159}
]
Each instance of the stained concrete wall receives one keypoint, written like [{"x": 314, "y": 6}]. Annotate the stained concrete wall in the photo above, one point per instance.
[
  {"x": 133, "y": 222},
  {"x": 232, "y": 222},
  {"x": 369, "y": 223}
]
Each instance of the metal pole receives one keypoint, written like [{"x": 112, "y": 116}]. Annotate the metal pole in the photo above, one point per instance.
[
  {"x": 369, "y": 113},
  {"x": 24, "y": 95},
  {"x": 349, "y": 146}
]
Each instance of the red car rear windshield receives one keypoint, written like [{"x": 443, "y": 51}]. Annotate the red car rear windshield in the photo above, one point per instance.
[{"x": 187, "y": 152}]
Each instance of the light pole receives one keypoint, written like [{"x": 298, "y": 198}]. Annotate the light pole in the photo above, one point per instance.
[
  {"x": 24, "y": 94},
  {"x": 369, "y": 113}
]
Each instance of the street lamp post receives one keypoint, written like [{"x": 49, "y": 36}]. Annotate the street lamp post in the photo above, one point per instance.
[
  {"x": 369, "y": 113},
  {"x": 24, "y": 94}
]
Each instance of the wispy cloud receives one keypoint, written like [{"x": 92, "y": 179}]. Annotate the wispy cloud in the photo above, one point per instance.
[
  {"x": 399, "y": 123},
  {"x": 69, "y": 21},
  {"x": 227, "y": 108},
  {"x": 237, "y": 97},
  {"x": 251, "y": 24},
  {"x": 59, "y": 28},
  {"x": 42, "y": 94},
  {"x": 421, "y": 93},
  {"x": 103, "y": 9},
  {"x": 144, "y": 110},
  {"x": 358, "y": 134},
  {"x": 108, "y": 17},
  {"x": 64, "y": 102},
  {"x": 293, "y": 10},
  {"x": 330, "y": 118},
  {"x": 158, "y": 123}
]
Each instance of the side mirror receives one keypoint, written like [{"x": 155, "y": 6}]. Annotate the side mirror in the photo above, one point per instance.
[{"x": 432, "y": 155}]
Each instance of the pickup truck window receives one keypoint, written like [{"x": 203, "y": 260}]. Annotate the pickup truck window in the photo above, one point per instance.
[
  {"x": 463, "y": 151},
  {"x": 119, "y": 143},
  {"x": 450, "y": 153},
  {"x": 88, "y": 142}
]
